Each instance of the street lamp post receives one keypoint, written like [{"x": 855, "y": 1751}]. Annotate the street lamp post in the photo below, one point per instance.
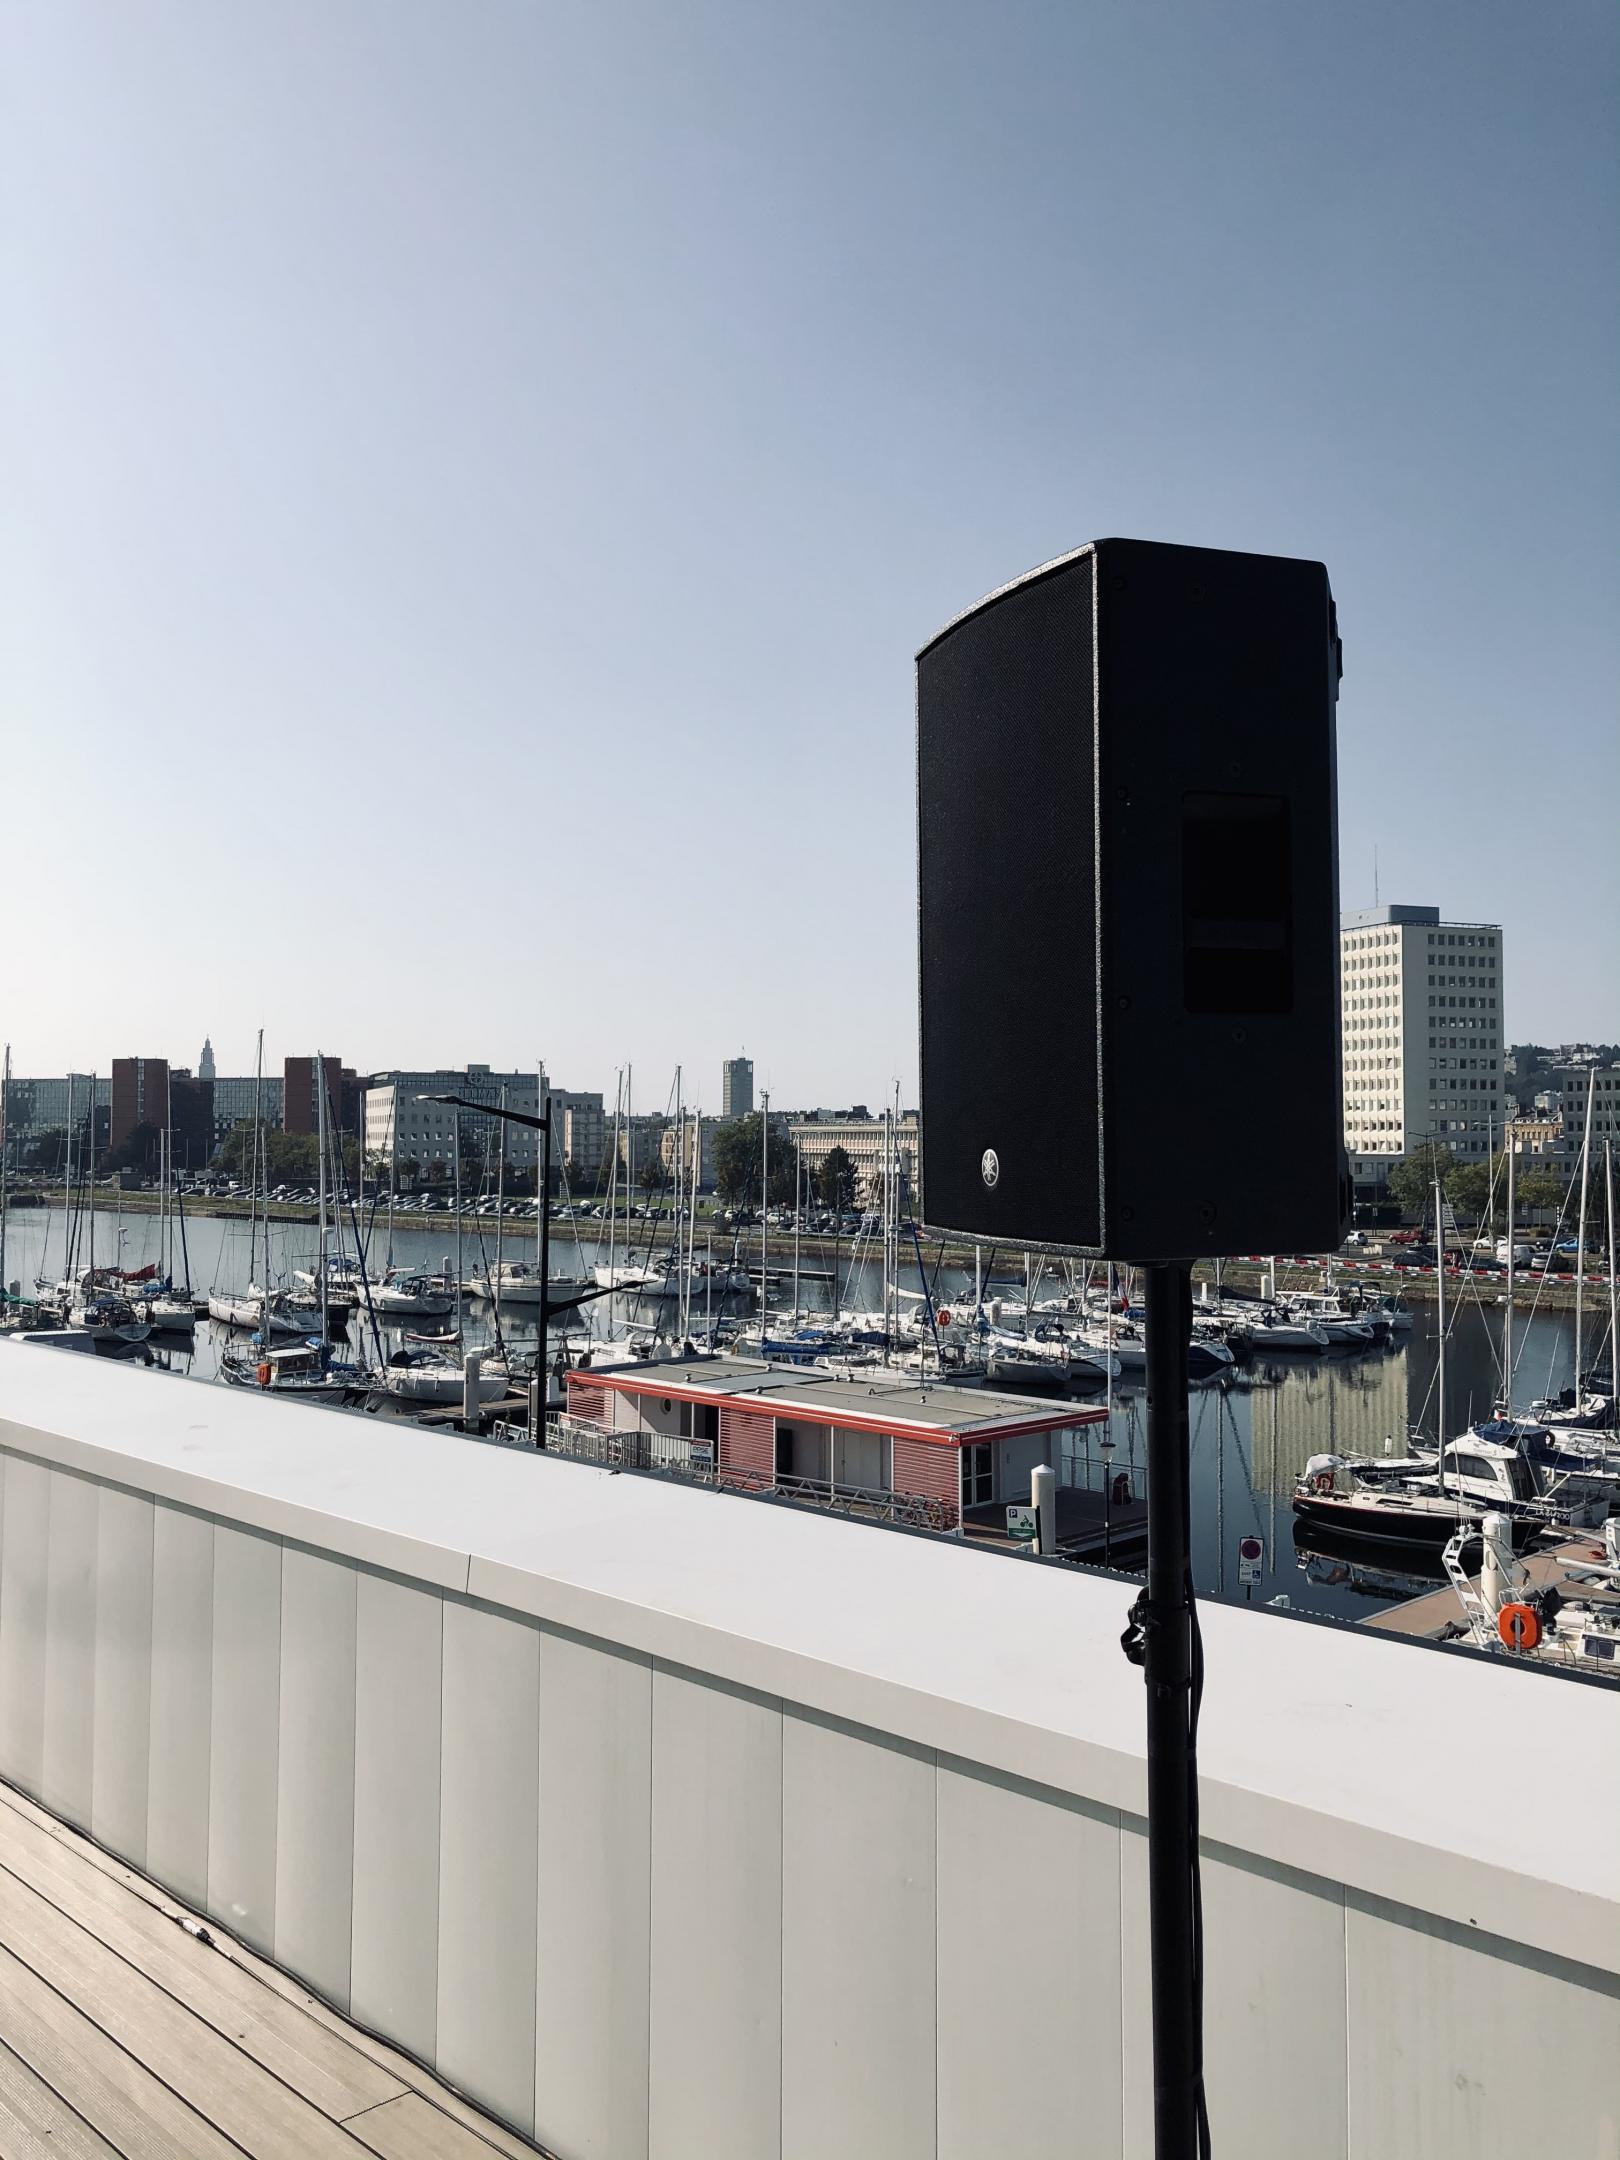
[
  {"x": 1106, "y": 1449},
  {"x": 542, "y": 1125}
]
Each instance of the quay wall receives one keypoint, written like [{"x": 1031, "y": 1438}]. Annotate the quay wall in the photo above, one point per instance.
[{"x": 667, "y": 1823}]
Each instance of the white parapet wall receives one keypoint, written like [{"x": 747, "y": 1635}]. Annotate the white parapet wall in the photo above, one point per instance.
[{"x": 672, "y": 1824}]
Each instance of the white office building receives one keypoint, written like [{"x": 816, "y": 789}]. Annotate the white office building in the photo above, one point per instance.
[
  {"x": 401, "y": 1128},
  {"x": 866, "y": 1141},
  {"x": 1422, "y": 1006}
]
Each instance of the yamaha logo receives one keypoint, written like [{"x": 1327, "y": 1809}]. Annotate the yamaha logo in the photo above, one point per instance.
[{"x": 990, "y": 1168}]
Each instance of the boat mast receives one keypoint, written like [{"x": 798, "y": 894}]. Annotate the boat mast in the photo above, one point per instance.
[
  {"x": 393, "y": 1165},
  {"x": 1580, "y": 1229},
  {"x": 1614, "y": 1337},
  {"x": 1440, "y": 1325},
  {"x": 253, "y": 1174},
  {"x": 320, "y": 1190},
  {"x": 455, "y": 1142},
  {"x": 680, "y": 1194},
  {"x": 613, "y": 1190},
  {"x": 764, "y": 1212},
  {"x": 692, "y": 1199},
  {"x": 67, "y": 1184},
  {"x": 1507, "y": 1312},
  {"x": 90, "y": 1191},
  {"x": 798, "y": 1211},
  {"x": 542, "y": 1178},
  {"x": 500, "y": 1207}
]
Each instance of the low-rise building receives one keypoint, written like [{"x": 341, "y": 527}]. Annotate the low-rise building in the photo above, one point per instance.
[
  {"x": 693, "y": 1141},
  {"x": 37, "y": 1107},
  {"x": 239, "y": 1097},
  {"x": 867, "y": 1143},
  {"x": 580, "y": 1136},
  {"x": 399, "y": 1126},
  {"x": 940, "y": 1457},
  {"x": 1535, "y": 1140}
]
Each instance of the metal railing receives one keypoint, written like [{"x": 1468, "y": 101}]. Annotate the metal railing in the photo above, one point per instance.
[{"x": 694, "y": 1462}]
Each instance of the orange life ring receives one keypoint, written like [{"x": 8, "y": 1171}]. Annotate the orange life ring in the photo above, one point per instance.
[
  {"x": 261, "y": 1373},
  {"x": 1323, "y": 1481},
  {"x": 1519, "y": 1626},
  {"x": 943, "y": 1316}
]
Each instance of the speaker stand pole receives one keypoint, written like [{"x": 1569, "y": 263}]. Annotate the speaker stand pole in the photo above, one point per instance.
[{"x": 1166, "y": 1624}]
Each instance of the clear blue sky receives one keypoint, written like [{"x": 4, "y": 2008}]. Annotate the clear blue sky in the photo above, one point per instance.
[{"x": 475, "y": 476}]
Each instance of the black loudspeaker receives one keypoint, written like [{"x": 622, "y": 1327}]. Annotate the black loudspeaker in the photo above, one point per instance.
[{"x": 1129, "y": 909}]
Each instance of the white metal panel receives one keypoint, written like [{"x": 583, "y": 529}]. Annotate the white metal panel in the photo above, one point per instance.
[
  {"x": 123, "y": 1690},
  {"x": 1274, "y": 2011},
  {"x": 594, "y": 1899},
  {"x": 70, "y": 1649},
  {"x": 716, "y": 1922},
  {"x": 244, "y": 1732},
  {"x": 1029, "y": 2008},
  {"x": 1464, "y": 2046},
  {"x": 24, "y": 1552},
  {"x": 182, "y": 1701},
  {"x": 858, "y": 1872},
  {"x": 315, "y": 1771},
  {"x": 489, "y": 1848},
  {"x": 399, "y": 1646}
]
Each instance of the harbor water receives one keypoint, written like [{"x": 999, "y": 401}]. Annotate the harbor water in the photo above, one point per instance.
[{"x": 1252, "y": 1431}]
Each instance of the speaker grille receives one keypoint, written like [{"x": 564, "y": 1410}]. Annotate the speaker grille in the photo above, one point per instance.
[{"x": 1007, "y": 908}]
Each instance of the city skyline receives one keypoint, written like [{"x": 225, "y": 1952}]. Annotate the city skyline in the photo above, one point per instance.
[{"x": 472, "y": 481}]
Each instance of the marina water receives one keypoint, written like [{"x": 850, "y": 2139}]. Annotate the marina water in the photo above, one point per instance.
[{"x": 1251, "y": 1432}]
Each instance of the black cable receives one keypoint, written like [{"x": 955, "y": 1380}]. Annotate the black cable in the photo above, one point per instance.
[{"x": 1194, "y": 1701}]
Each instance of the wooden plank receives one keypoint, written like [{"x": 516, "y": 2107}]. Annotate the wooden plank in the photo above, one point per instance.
[
  {"x": 136, "y": 2112},
  {"x": 37, "y": 2124},
  {"x": 234, "y": 2092},
  {"x": 405, "y": 2068},
  {"x": 315, "y": 2062},
  {"x": 411, "y": 2128}
]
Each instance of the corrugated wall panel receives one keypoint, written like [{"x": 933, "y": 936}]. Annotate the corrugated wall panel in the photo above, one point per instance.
[
  {"x": 123, "y": 1709},
  {"x": 1028, "y": 1971},
  {"x": 748, "y": 1447},
  {"x": 315, "y": 1770},
  {"x": 716, "y": 1921},
  {"x": 70, "y": 1649},
  {"x": 489, "y": 1848},
  {"x": 399, "y": 1648},
  {"x": 24, "y": 1555},
  {"x": 921, "y": 1467},
  {"x": 244, "y": 1736},
  {"x": 594, "y": 1899},
  {"x": 858, "y": 1980},
  {"x": 178, "y": 1763}
]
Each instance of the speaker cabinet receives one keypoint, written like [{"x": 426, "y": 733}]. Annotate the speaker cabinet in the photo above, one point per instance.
[{"x": 1129, "y": 911}]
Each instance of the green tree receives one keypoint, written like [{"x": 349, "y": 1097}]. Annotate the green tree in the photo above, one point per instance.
[
  {"x": 1535, "y": 1189},
  {"x": 290, "y": 1158},
  {"x": 138, "y": 1150},
  {"x": 737, "y": 1149},
  {"x": 836, "y": 1179},
  {"x": 652, "y": 1174},
  {"x": 1468, "y": 1188},
  {"x": 1412, "y": 1180}
]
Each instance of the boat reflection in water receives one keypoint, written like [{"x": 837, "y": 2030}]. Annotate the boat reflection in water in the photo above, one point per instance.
[{"x": 1326, "y": 1564}]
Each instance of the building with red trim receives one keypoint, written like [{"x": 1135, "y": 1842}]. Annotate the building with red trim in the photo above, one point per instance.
[{"x": 870, "y": 1436}]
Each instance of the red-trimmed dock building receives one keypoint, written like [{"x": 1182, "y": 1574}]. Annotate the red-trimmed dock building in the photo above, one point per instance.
[{"x": 928, "y": 1453}]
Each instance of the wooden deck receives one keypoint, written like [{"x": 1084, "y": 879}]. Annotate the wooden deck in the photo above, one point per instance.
[{"x": 129, "y": 2027}]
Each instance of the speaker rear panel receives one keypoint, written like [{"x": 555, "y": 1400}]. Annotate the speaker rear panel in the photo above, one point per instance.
[{"x": 1006, "y": 764}]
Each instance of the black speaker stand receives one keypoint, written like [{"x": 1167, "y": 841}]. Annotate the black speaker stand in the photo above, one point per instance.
[{"x": 1163, "y": 1639}]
